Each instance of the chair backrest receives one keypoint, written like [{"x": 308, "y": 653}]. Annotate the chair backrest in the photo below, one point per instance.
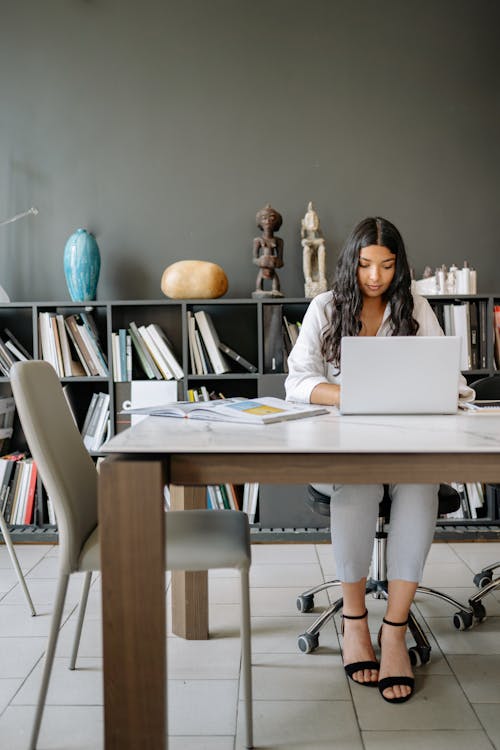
[
  {"x": 488, "y": 387},
  {"x": 65, "y": 467}
]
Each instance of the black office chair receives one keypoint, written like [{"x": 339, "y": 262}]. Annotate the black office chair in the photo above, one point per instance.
[
  {"x": 464, "y": 618},
  {"x": 486, "y": 388}
]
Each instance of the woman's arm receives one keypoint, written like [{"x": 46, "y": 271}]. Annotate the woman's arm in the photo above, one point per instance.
[
  {"x": 307, "y": 368},
  {"x": 327, "y": 394}
]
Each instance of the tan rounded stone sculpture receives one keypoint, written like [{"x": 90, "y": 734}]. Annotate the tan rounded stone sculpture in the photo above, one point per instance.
[{"x": 194, "y": 279}]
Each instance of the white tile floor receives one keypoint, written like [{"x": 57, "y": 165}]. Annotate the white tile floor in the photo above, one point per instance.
[{"x": 301, "y": 702}]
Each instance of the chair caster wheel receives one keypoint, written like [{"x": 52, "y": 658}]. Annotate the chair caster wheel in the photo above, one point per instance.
[
  {"x": 463, "y": 620},
  {"x": 305, "y": 603},
  {"x": 419, "y": 657},
  {"x": 479, "y": 613},
  {"x": 483, "y": 578},
  {"x": 307, "y": 642}
]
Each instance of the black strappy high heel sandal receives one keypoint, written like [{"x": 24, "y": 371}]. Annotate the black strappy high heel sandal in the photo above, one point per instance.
[
  {"x": 389, "y": 682},
  {"x": 359, "y": 666}
]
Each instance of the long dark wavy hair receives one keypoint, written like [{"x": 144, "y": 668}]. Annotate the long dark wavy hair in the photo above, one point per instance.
[{"x": 347, "y": 301}]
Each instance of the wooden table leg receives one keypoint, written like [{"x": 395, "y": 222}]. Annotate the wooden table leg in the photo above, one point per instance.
[
  {"x": 132, "y": 534},
  {"x": 189, "y": 590}
]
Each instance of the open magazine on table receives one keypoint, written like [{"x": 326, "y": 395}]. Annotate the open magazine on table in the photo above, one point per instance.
[{"x": 263, "y": 410}]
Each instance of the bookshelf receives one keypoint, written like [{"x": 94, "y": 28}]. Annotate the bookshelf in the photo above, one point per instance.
[{"x": 240, "y": 324}]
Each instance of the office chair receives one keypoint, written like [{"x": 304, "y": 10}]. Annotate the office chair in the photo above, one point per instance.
[
  {"x": 195, "y": 539},
  {"x": 486, "y": 388},
  {"x": 420, "y": 653}
]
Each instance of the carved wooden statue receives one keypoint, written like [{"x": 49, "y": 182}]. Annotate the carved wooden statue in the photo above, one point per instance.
[
  {"x": 313, "y": 254},
  {"x": 268, "y": 252}
]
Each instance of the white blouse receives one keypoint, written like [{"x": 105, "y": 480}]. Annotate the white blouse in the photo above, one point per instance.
[{"x": 306, "y": 365}]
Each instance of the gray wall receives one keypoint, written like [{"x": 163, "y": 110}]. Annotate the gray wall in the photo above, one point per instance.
[{"x": 163, "y": 126}]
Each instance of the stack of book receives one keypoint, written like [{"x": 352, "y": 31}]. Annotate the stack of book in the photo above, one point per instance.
[
  {"x": 154, "y": 352},
  {"x": 96, "y": 426},
  {"x": 11, "y": 350},
  {"x": 71, "y": 344},
  {"x": 222, "y": 497},
  {"x": 121, "y": 350},
  {"x": 18, "y": 475},
  {"x": 208, "y": 355},
  {"x": 466, "y": 319}
]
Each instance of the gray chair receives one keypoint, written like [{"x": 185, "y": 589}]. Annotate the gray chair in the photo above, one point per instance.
[
  {"x": 376, "y": 585},
  {"x": 195, "y": 540},
  {"x": 15, "y": 562},
  {"x": 486, "y": 389}
]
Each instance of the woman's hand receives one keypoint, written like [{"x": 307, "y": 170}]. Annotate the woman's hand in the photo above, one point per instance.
[{"x": 327, "y": 394}]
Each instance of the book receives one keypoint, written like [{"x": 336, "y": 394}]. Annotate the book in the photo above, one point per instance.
[
  {"x": 90, "y": 326},
  {"x": 80, "y": 343},
  {"x": 7, "y": 413},
  {"x": 64, "y": 343},
  {"x": 17, "y": 344},
  {"x": 155, "y": 352},
  {"x": 462, "y": 328},
  {"x": 145, "y": 358},
  {"x": 194, "y": 355},
  {"x": 250, "y": 497},
  {"x": 211, "y": 341},
  {"x": 143, "y": 355},
  {"x": 266, "y": 410},
  {"x": 237, "y": 357},
  {"x": 474, "y": 335},
  {"x": 483, "y": 333},
  {"x": 272, "y": 316},
  {"x": 496, "y": 327},
  {"x": 165, "y": 347}
]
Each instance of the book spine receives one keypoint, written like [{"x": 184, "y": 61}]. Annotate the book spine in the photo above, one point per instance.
[
  {"x": 165, "y": 348},
  {"x": 211, "y": 342},
  {"x": 122, "y": 337},
  {"x": 80, "y": 346},
  {"x": 156, "y": 354},
  {"x": 93, "y": 333},
  {"x": 89, "y": 341},
  {"x": 152, "y": 370},
  {"x": 65, "y": 350}
]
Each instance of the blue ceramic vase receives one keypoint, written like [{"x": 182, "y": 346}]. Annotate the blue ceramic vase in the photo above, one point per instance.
[{"x": 82, "y": 263}]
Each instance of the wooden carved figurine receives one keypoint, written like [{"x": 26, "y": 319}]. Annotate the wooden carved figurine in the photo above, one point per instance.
[
  {"x": 313, "y": 254},
  {"x": 268, "y": 252}
]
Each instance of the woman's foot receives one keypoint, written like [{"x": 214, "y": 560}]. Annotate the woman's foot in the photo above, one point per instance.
[
  {"x": 357, "y": 650},
  {"x": 394, "y": 663}
]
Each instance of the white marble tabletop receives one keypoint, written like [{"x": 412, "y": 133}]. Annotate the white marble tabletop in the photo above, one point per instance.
[{"x": 328, "y": 433}]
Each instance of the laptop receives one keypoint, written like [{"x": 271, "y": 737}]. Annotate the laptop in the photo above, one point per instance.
[{"x": 400, "y": 374}]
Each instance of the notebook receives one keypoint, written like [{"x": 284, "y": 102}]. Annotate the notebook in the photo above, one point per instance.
[{"x": 400, "y": 374}]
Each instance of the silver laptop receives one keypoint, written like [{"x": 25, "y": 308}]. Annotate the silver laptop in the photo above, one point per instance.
[{"x": 400, "y": 374}]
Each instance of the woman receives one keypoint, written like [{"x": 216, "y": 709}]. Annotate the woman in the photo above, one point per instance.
[{"x": 371, "y": 296}]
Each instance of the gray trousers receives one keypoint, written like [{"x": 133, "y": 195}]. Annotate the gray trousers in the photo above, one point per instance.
[{"x": 354, "y": 512}]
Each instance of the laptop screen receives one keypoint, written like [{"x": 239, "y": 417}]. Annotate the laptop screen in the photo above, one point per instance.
[{"x": 399, "y": 374}]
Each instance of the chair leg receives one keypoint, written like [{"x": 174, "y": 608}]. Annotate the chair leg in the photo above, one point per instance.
[
  {"x": 246, "y": 652},
  {"x": 62, "y": 587},
  {"x": 81, "y": 614},
  {"x": 15, "y": 563}
]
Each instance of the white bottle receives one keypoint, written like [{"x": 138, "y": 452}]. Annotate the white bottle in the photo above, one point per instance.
[
  {"x": 473, "y": 281},
  {"x": 452, "y": 279},
  {"x": 441, "y": 280},
  {"x": 466, "y": 277}
]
